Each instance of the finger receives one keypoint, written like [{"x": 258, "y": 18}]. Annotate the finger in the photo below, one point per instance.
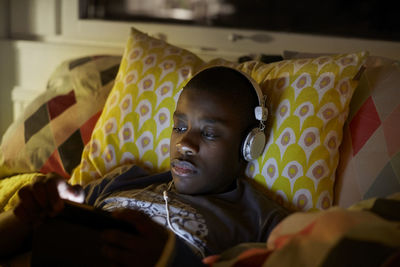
[
  {"x": 122, "y": 257},
  {"x": 39, "y": 178},
  {"x": 138, "y": 219},
  {"x": 53, "y": 176},
  {"x": 74, "y": 193},
  {"x": 118, "y": 256},
  {"x": 56, "y": 203},
  {"x": 76, "y": 189},
  {"x": 40, "y": 194},
  {"x": 149, "y": 245},
  {"x": 27, "y": 209},
  {"x": 143, "y": 223},
  {"x": 22, "y": 214},
  {"x": 122, "y": 239}
]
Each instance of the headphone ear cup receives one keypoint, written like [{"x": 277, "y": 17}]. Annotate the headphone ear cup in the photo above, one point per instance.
[{"x": 253, "y": 145}]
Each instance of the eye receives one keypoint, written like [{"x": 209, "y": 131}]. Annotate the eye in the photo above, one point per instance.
[
  {"x": 209, "y": 135},
  {"x": 180, "y": 125},
  {"x": 179, "y": 129}
]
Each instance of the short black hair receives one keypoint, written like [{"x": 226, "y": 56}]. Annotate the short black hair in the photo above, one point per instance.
[{"x": 230, "y": 83}]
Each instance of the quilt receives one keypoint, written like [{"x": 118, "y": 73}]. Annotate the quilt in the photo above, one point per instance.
[{"x": 366, "y": 234}]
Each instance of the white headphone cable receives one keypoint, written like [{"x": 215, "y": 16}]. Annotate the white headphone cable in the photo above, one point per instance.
[{"x": 165, "y": 196}]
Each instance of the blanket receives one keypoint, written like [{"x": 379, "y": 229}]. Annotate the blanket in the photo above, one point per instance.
[
  {"x": 366, "y": 234},
  {"x": 9, "y": 188}
]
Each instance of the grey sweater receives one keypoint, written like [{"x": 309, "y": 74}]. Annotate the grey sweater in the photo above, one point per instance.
[{"x": 208, "y": 223}]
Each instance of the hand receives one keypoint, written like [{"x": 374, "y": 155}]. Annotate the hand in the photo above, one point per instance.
[
  {"x": 44, "y": 198},
  {"x": 143, "y": 249}
]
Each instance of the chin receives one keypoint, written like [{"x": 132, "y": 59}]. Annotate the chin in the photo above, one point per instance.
[{"x": 182, "y": 187}]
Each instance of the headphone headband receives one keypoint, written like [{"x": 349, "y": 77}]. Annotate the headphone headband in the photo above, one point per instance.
[
  {"x": 260, "y": 112},
  {"x": 254, "y": 143}
]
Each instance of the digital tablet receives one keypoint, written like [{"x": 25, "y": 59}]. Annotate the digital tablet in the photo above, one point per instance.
[
  {"x": 72, "y": 238},
  {"x": 91, "y": 217}
]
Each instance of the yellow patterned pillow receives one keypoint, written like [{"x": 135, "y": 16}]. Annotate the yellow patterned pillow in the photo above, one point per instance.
[
  {"x": 136, "y": 123},
  {"x": 309, "y": 105}
]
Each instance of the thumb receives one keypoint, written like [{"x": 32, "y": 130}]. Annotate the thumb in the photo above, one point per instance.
[{"x": 68, "y": 192}]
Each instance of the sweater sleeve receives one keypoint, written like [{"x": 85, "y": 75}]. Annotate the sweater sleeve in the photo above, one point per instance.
[
  {"x": 111, "y": 182},
  {"x": 275, "y": 217}
]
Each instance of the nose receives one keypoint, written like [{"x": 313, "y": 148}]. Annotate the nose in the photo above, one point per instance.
[
  {"x": 187, "y": 146},
  {"x": 185, "y": 149}
]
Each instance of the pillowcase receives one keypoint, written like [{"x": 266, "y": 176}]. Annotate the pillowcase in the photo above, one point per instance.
[
  {"x": 309, "y": 104},
  {"x": 370, "y": 165},
  {"x": 136, "y": 123},
  {"x": 52, "y": 131}
]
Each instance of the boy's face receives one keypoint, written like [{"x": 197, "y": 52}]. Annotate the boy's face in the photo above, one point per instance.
[{"x": 205, "y": 143}]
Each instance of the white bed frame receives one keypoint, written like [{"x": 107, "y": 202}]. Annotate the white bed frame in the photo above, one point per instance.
[{"x": 58, "y": 34}]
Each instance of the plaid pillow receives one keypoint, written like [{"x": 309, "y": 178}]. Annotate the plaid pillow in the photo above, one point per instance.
[{"x": 51, "y": 134}]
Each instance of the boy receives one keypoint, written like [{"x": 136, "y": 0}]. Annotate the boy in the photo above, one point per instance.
[{"x": 203, "y": 199}]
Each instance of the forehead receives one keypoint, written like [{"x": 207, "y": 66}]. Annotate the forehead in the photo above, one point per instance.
[{"x": 208, "y": 102}]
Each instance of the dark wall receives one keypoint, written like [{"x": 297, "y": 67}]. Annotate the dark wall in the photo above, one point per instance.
[{"x": 372, "y": 19}]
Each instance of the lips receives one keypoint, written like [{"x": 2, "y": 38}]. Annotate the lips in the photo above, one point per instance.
[{"x": 183, "y": 168}]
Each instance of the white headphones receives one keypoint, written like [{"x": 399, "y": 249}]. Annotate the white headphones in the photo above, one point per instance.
[{"x": 255, "y": 141}]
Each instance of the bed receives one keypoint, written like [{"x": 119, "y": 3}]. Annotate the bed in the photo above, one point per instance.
[{"x": 333, "y": 150}]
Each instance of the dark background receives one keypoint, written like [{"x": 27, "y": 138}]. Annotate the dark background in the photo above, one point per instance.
[{"x": 370, "y": 19}]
